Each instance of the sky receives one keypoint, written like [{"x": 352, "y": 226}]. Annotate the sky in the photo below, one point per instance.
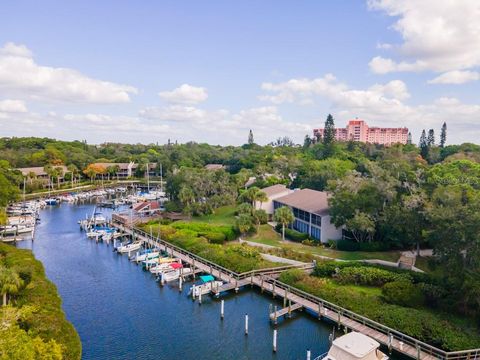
[{"x": 209, "y": 71}]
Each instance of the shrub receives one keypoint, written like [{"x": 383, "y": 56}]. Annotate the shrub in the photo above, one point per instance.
[
  {"x": 295, "y": 235},
  {"x": 292, "y": 276},
  {"x": 404, "y": 293},
  {"x": 364, "y": 275},
  {"x": 215, "y": 237}
]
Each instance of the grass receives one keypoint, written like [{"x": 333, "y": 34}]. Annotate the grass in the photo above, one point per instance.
[
  {"x": 224, "y": 215},
  {"x": 268, "y": 236}
]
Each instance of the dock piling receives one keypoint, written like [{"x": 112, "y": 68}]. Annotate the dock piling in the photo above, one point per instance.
[
  {"x": 246, "y": 324},
  {"x": 275, "y": 340},
  {"x": 180, "y": 281},
  {"x": 200, "y": 297},
  {"x": 222, "y": 308},
  {"x": 309, "y": 354}
]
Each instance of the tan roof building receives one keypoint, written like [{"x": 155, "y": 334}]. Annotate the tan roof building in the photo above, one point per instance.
[
  {"x": 39, "y": 171},
  {"x": 313, "y": 201}
]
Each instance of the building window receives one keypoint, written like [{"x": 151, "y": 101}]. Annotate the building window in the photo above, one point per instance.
[{"x": 316, "y": 233}]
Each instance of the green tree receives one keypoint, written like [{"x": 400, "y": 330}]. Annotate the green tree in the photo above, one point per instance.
[
  {"x": 284, "y": 216},
  {"x": 329, "y": 131},
  {"x": 423, "y": 145},
  {"x": 244, "y": 223},
  {"x": 250, "y": 137},
  {"x": 10, "y": 283},
  {"x": 431, "y": 138},
  {"x": 443, "y": 135},
  {"x": 259, "y": 217},
  {"x": 307, "y": 142}
]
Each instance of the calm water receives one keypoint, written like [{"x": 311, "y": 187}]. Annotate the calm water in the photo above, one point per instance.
[{"x": 120, "y": 312}]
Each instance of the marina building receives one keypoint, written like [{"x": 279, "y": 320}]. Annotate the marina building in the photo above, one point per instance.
[{"x": 358, "y": 130}]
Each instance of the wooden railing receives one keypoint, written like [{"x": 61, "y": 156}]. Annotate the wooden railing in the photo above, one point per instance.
[{"x": 422, "y": 347}]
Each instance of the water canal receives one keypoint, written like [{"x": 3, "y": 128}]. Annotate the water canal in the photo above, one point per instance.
[{"x": 120, "y": 311}]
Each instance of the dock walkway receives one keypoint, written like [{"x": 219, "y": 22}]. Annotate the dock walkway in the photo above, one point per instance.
[{"x": 266, "y": 280}]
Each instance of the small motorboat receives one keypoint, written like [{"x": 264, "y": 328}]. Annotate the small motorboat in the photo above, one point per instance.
[
  {"x": 354, "y": 346},
  {"x": 129, "y": 247},
  {"x": 208, "y": 284},
  {"x": 148, "y": 255},
  {"x": 51, "y": 201},
  {"x": 176, "y": 270},
  {"x": 159, "y": 268}
]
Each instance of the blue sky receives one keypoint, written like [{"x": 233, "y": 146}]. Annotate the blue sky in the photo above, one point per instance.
[{"x": 94, "y": 70}]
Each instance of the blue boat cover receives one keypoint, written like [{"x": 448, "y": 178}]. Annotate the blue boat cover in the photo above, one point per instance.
[{"x": 207, "y": 278}]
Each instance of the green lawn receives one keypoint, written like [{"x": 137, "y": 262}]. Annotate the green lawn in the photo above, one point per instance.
[
  {"x": 224, "y": 215},
  {"x": 268, "y": 236}
]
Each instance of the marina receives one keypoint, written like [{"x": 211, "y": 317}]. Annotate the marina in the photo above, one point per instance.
[
  {"x": 173, "y": 267},
  {"x": 120, "y": 311}
]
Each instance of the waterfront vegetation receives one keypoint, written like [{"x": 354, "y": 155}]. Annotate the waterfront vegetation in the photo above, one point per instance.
[
  {"x": 388, "y": 199},
  {"x": 33, "y": 324},
  {"x": 414, "y": 304},
  {"x": 211, "y": 242}
]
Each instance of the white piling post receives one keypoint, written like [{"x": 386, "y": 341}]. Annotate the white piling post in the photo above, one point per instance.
[
  {"x": 193, "y": 292},
  {"x": 180, "y": 281},
  {"x": 162, "y": 279},
  {"x": 246, "y": 324},
  {"x": 275, "y": 340},
  {"x": 309, "y": 354},
  {"x": 222, "y": 309},
  {"x": 200, "y": 297}
]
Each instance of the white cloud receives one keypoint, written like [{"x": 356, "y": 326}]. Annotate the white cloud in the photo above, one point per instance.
[
  {"x": 456, "y": 77},
  {"x": 21, "y": 76},
  {"x": 12, "y": 106},
  {"x": 185, "y": 94},
  {"x": 437, "y": 35}
]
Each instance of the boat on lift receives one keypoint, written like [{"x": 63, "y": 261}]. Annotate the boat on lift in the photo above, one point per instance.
[
  {"x": 174, "y": 272},
  {"x": 208, "y": 283}
]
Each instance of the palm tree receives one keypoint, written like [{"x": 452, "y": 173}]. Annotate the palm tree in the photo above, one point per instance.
[
  {"x": 31, "y": 175},
  {"x": 186, "y": 197},
  {"x": 244, "y": 223},
  {"x": 253, "y": 195},
  {"x": 284, "y": 215},
  {"x": 73, "y": 171},
  {"x": 59, "y": 174},
  {"x": 10, "y": 283}
]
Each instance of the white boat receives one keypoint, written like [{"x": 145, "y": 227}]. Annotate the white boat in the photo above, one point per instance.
[
  {"x": 51, "y": 201},
  {"x": 16, "y": 229},
  {"x": 208, "y": 284},
  {"x": 159, "y": 268},
  {"x": 354, "y": 346},
  {"x": 129, "y": 247},
  {"x": 174, "y": 274},
  {"x": 145, "y": 256},
  {"x": 94, "y": 234}
]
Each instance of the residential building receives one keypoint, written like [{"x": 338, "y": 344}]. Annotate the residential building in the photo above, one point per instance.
[
  {"x": 127, "y": 170},
  {"x": 273, "y": 192},
  {"x": 311, "y": 211},
  {"x": 39, "y": 173},
  {"x": 358, "y": 130}
]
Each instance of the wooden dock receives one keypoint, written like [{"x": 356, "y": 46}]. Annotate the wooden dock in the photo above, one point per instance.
[
  {"x": 266, "y": 280},
  {"x": 285, "y": 311}
]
